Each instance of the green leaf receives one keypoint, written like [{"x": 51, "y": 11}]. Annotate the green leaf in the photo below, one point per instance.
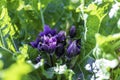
[
  {"x": 32, "y": 53},
  {"x": 23, "y": 55},
  {"x": 16, "y": 71},
  {"x": 108, "y": 26},
  {"x": 102, "y": 40},
  {"x": 7, "y": 30},
  {"x": 7, "y": 57},
  {"x": 50, "y": 73}
]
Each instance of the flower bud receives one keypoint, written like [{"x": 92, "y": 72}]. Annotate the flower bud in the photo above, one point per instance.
[
  {"x": 73, "y": 49},
  {"x": 72, "y": 32}
]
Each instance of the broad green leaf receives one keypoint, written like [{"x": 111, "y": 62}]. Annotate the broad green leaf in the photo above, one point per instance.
[
  {"x": 7, "y": 30},
  {"x": 16, "y": 71},
  {"x": 102, "y": 40},
  {"x": 116, "y": 74},
  {"x": 32, "y": 53},
  {"x": 1, "y": 65},
  {"x": 7, "y": 57},
  {"x": 92, "y": 26},
  {"x": 108, "y": 26},
  {"x": 93, "y": 23},
  {"x": 106, "y": 46}
]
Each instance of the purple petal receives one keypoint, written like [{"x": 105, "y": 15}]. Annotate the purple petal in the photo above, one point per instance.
[
  {"x": 44, "y": 47},
  {"x": 39, "y": 46},
  {"x": 35, "y": 43},
  {"x": 47, "y": 29},
  {"x": 72, "y": 31},
  {"x": 69, "y": 42},
  {"x": 46, "y": 39},
  {"x": 52, "y": 39},
  {"x": 52, "y": 45},
  {"x": 41, "y": 34},
  {"x": 37, "y": 39},
  {"x": 61, "y": 36},
  {"x": 53, "y": 32},
  {"x": 73, "y": 49}
]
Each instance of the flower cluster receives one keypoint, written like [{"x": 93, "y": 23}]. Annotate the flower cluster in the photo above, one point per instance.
[
  {"x": 100, "y": 68},
  {"x": 48, "y": 40},
  {"x": 52, "y": 42}
]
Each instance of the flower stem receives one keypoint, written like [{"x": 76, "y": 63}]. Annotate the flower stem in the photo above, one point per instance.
[
  {"x": 84, "y": 18},
  {"x": 74, "y": 62},
  {"x": 7, "y": 50},
  {"x": 41, "y": 13},
  {"x": 51, "y": 60},
  {"x": 3, "y": 42},
  {"x": 58, "y": 77},
  {"x": 14, "y": 43}
]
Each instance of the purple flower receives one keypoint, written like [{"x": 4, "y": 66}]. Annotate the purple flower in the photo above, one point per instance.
[
  {"x": 72, "y": 32},
  {"x": 35, "y": 43},
  {"x": 48, "y": 31},
  {"x": 48, "y": 40},
  {"x": 49, "y": 44},
  {"x": 61, "y": 36},
  {"x": 73, "y": 49}
]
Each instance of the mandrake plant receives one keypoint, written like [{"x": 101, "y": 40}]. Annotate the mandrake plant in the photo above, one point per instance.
[{"x": 59, "y": 39}]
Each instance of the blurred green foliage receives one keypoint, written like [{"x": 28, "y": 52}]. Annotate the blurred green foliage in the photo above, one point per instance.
[{"x": 22, "y": 20}]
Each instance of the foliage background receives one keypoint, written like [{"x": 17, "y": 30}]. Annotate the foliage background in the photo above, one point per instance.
[{"x": 22, "y": 20}]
